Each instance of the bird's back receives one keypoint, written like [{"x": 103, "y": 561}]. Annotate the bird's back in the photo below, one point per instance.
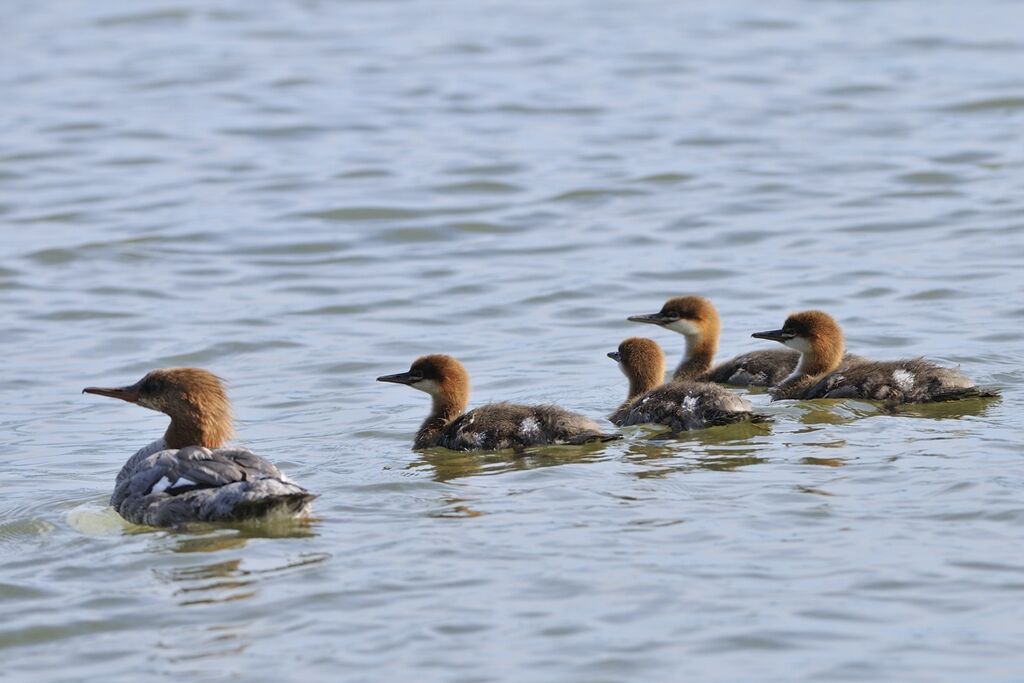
[
  {"x": 497, "y": 426},
  {"x": 904, "y": 381},
  {"x": 685, "y": 405},
  {"x": 171, "y": 487}
]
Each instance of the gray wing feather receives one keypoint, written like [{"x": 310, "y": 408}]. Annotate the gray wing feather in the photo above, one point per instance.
[{"x": 177, "y": 486}]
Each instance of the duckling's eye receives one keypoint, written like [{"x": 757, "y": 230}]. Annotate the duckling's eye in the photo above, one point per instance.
[{"x": 152, "y": 386}]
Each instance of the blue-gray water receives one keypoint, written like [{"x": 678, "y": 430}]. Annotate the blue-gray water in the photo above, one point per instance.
[{"x": 304, "y": 195}]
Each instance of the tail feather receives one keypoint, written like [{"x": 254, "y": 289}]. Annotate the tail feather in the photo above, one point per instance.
[
  {"x": 294, "y": 503},
  {"x": 592, "y": 437}
]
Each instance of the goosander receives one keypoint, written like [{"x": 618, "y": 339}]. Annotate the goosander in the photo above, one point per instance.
[
  {"x": 679, "y": 404},
  {"x": 494, "y": 426},
  {"x": 819, "y": 341},
  {"x": 188, "y": 476},
  {"x": 696, "y": 319}
]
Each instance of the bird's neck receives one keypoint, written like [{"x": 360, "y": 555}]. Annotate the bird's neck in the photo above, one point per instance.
[
  {"x": 444, "y": 409},
  {"x": 700, "y": 353},
  {"x": 196, "y": 429}
]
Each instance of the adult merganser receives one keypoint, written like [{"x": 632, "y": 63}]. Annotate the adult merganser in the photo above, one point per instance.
[
  {"x": 679, "y": 404},
  {"x": 187, "y": 476},
  {"x": 819, "y": 340},
  {"x": 494, "y": 426},
  {"x": 695, "y": 318}
]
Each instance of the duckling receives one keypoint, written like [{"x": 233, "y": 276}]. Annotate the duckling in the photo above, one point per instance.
[
  {"x": 679, "y": 404},
  {"x": 696, "y": 319},
  {"x": 819, "y": 340},
  {"x": 188, "y": 475},
  {"x": 494, "y": 426}
]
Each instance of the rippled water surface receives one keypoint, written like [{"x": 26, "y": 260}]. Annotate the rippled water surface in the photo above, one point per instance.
[{"x": 304, "y": 195}]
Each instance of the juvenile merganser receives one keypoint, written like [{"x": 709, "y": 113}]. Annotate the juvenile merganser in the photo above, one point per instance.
[
  {"x": 819, "y": 340},
  {"x": 187, "y": 476},
  {"x": 494, "y": 426},
  {"x": 696, "y": 319},
  {"x": 679, "y": 404}
]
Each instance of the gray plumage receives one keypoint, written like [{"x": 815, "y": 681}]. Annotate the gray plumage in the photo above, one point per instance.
[
  {"x": 498, "y": 426},
  {"x": 171, "y": 487},
  {"x": 684, "y": 405},
  {"x": 903, "y": 381},
  {"x": 765, "y": 368}
]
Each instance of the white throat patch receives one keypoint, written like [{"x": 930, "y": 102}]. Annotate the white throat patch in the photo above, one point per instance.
[
  {"x": 685, "y": 327},
  {"x": 800, "y": 344},
  {"x": 427, "y": 385}
]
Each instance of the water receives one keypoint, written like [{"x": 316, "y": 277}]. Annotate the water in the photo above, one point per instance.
[{"x": 304, "y": 195}]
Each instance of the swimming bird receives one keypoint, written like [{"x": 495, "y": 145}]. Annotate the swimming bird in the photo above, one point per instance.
[
  {"x": 494, "y": 426},
  {"x": 679, "y": 404},
  {"x": 819, "y": 341},
  {"x": 696, "y": 319},
  {"x": 188, "y": 475}
]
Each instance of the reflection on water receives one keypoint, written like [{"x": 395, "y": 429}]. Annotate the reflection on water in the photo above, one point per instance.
[{"x": 446, "y": 465}]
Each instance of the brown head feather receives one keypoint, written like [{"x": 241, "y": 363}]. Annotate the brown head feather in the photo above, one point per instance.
[
  {"x": 703, "y": 344},
  {"x": 643, "y": 363}
]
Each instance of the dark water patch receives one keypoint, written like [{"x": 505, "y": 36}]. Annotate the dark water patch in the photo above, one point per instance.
[
  {"x": 986, "y": 106},
  {"x": 379, "y": 213},
  {"x": 336, "y": 309},
  {"x": 479, "y": 187},
  {"x": 966, "y": 157},
  {"x": 594, "y": 194},
  {"x": 62, "y": 217},
  {"x": 665, "y": 178},
  {"x": 874, "y": 292},
  {"x": 159, "y": 17},
  {"x": 363, "y": 173},
  {"x": 527, "y": 110},
  {"x": 277, "y": 132},
  {"x": 297, "y": 248},
  {"x": 486, "y": 169},
  {"x": 72, "y": 315},
  {"x": 715, "y": 141},
  {"x": 936, "y": 294},
  {"x": 856, "y": 89},
  {"x": 930, "y": 178},
  {"x": 484, "y": 228},
  {"x": 888, "y": 226}
]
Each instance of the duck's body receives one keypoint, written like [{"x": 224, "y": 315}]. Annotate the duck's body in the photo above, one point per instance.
[
  {"x": 494, "y": 426},
  {"x": 822, "y": 372},
  {"x": 902, "y": 381},
  {"x": 497, "y": 426},
  {"x": 756, "y": 368},
  {"x": 187, "y": 476},
  {"x": 681, "y": 405},
  {"x": 696, "y": 319},
  {"x": 161, "y": 486}
]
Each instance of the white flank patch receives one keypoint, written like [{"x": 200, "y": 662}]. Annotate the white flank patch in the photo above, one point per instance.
[
  {"x": 904, "y": 379},
  {"x": 529, "y": 427},
  {"x": 690, "y": 404},
  {"x": 166, "y": 483},
  {"x": 685, "y": 327}
]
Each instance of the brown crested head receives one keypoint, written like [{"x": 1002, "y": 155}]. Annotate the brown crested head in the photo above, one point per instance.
[
  {"x": 194, "y": 399},
  {"x": 642, "y": 362},
  {"x": 689, "y": 315},
  {"x": 441, "y": 376},
  {"x": 812, "y": 333}
]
